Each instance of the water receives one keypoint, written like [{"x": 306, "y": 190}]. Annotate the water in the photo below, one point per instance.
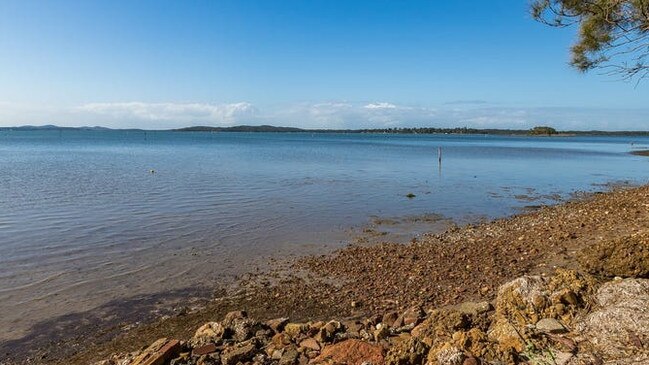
[{"x": 91, "y": 216}]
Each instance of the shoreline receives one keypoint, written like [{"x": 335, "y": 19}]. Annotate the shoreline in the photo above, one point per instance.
[{"x": 463, "y": 263}]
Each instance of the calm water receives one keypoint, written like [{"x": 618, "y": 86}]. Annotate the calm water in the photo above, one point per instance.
[{"x": 83, "y": 219}]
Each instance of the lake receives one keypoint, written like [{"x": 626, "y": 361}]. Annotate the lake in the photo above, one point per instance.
[{"x": 87, "y": 217}]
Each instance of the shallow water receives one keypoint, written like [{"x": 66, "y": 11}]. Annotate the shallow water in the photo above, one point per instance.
[{"x": 91, "y": 216}]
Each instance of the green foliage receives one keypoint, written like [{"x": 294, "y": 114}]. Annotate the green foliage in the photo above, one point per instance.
[
  {"x": 542, "y": 131},
  {"x": 613, "y": 34}
]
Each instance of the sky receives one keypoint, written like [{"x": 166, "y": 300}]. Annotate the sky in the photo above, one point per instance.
[{"x": 304, "y": 63}]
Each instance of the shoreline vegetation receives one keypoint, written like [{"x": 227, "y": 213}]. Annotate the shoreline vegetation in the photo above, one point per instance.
[
  {"x": 565, "y": 284},
  {"x": 539, "y": 131}
]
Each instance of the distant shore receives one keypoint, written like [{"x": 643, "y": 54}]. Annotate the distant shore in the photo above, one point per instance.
[
  {"x": 362, "y": 281},
  {"x": 398, "y": 130}
]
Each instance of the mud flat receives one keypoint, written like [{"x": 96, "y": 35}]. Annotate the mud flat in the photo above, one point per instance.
[{"x": 556, "y": 286}]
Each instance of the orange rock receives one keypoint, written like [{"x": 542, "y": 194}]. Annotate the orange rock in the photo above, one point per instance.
[
  {"x": 158, "y": 353},
  {"x": 310, "y": 343},
  {"x": 352, "y": 352}
]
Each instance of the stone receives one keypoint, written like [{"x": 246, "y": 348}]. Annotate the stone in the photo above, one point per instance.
[
  {"x": 550, "y": 325},
  {"x": 518, "y": 303},
  {"x": 562, "y": 358},
  {"x": 470, "y": 361},
  {"x": 413, "y": 316},
  {"x": 231, "y": 316},
  {"x": 389, "y": 318},
  {"x": 295, "y": 329},
  {"x": 289, "y": 357},
  {"x": 381, "y": 332},
  {"x": 277, "y": 354},
  {"x": 310, "y": 343},
  {"x": 203, "y": 350},
  {"x": 351, "y": 352},
  {"x": 473, "y": 308},
  {"x": 209, "y": 332},
  {"x": 212, "y": 359},
  {"x": 407, "y": 350},
  {"x": 277, "y": 324},
  {"x": 280, "y": 340},
  {"x": 448, "y": 355},
  {"x": 239, "y": 353},
  {"x": 332, "y": 327},
  {"x": 614, "y": 329},
  {"x": 242, "y": 328},
  {"x": 158, "y": 353}
]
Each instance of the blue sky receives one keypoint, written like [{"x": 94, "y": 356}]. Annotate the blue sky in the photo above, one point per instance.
[{"x": 326, "y": 63}]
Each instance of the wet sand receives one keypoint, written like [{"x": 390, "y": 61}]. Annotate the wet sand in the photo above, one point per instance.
[{"x": 462, "y": 263}]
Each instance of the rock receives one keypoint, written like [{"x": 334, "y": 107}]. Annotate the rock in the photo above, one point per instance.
[
  {"x": 280, "y": 340},
  {"x": 625, "y": 257},
  {"x": 447, "y": 355},
  {"x": 389, "y": 318},
  {"x": 212, "y": 359},
  {"x": 242, "y": 328},
  {"x": 550, "y": 325},
  {"x": 471, "y": 361},
  {"x": 277, "y": 324},
  {"x": 158, "y": 353},
  {"x": 440, "y": 322},
  {"x": 203, "y": 350},
  {"x": 381, "y": 332},
  {"x": 310, "y": 343},
  {"x": 519, "y": 302},
  {"x": 327, "y": 332},
  {"x": 413, "y": 316},
  {"x": 618, "y": 329},
  {"x": 295, "y": 329},
  {"x": 277, "y": 354},
  {"x": 289, "y": 357},
  {"x": 210, "y": 332},
  {"x": 352, "y": 329},
  {"x": 231, "y": 316},
  {"x": 351, "y": 352},
  {"x": 239, "y": 353},
  {"x": 562, "y": 358},
  {"x": 524, "y": 301},
  {"x": 407, "y": 350},
  {"x": 473, "y": 308}
]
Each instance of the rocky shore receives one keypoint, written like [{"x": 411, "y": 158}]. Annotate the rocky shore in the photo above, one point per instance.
[
  {"x": 565, "y": 319},
  {"x": 562, "y": 285}
]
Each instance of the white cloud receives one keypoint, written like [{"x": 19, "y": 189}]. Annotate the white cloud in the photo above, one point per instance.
[
  {"x": 330, "y": 114},
  {"x": 222, "y": 114},
  {"x": 380, "y": 106}
]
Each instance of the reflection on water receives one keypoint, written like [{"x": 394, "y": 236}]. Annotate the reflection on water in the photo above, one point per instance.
[{"x": 83, "y": 220}]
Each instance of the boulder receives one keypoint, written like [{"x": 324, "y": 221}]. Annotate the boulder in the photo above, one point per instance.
[
  {"x": 351, "y": 352},
  {"x": 210, "y": 332},
  {"x": 618, "y": 329},
  {"x": 522, "y": 302}
]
